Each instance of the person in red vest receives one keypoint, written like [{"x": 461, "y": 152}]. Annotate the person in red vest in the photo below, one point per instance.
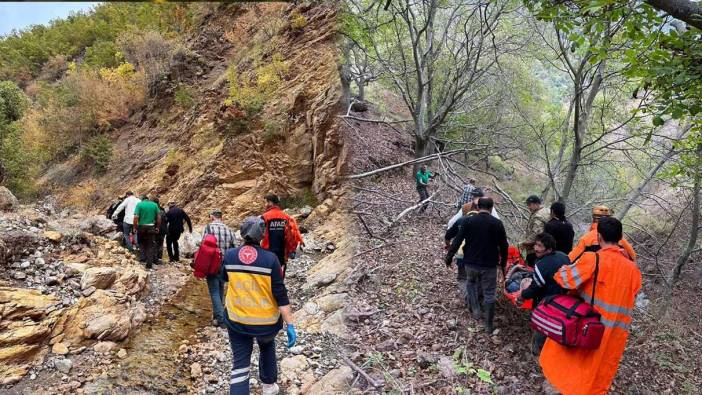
[{"x": 282, "y": 236}]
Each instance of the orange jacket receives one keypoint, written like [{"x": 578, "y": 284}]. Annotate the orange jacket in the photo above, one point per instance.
[
  {"x": 576, "y": 371},
  {"x": 590, "y": 239},
  {"x": 282, "y": 235}
]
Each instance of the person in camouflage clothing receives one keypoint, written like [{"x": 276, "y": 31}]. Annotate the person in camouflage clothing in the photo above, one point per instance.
[{"x": 537, "y": 221}]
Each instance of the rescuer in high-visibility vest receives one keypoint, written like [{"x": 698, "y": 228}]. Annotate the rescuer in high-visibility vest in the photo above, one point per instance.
[
  {"x": 579, "y": 371},
  {"x": 256, "y": 306},
  {"x": 589, "y": 241}
]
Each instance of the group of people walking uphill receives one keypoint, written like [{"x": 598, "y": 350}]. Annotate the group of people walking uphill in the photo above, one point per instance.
[
  {"x": 247, "y": 290},
  {"x": 476, "y": 242}
]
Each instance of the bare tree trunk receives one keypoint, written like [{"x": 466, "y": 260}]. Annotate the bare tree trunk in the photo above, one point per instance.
[
  {"x": 580, "y": 122},
  {"x": 652, "y": 173},
  {"x": 674, "y": 275},
  {"x": 421, "y": 149},
  {"x": 361, "y": 84},
  {"x": 345, "y": 76}
]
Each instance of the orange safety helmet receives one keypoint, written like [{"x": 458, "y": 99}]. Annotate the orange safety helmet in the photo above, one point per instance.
[{"x": 601, "y": 211}]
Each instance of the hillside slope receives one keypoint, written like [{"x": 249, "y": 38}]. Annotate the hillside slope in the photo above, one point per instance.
[{"x": 200, "y": 156}]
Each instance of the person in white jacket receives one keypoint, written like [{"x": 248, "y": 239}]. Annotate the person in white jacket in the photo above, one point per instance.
[{"x": 128, "y": 205}]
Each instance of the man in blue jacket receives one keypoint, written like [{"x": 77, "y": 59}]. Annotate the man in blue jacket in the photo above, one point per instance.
[{"x": 548, "y": 261}]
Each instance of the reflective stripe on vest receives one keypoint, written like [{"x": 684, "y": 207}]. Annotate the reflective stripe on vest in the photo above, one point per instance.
[
  {"x": 244, "y": 268},
  {"x": 608, "y": 307},
  {"x": 253, "y": 320}
]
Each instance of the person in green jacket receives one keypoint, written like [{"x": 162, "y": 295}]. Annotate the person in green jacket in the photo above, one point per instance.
[
  {"x": 147, "y": 221},
  {"x": 422, "y": 178}
]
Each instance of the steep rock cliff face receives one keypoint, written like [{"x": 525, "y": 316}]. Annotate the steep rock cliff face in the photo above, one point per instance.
[{"x": 200, "y": 156}]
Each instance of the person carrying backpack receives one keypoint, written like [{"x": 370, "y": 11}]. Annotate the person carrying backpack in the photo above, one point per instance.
[
  {"x": 225, "y": 240},
  {"x": 120, "y": 217},
  {"x": 256, "y": 305},
  {"x": 176, "y": 217},
  {"x": 548, "y": 262},
  {"x": 576, "y": 371},
  {"x": 282, "y": 237}
]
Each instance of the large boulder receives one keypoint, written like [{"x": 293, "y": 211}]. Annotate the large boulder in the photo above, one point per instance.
[
  {"x": 337, "y": 381},
  {"x": 98, "y": 225},
  {"x": 26, "y": 317},
  {"x": 132, "y": 281},
  {"x": 8, "y": 201},
  {"x": 98, "y": 277},
  {"x": 188, "y": 244},
  {"x": 104, "y": 315}
]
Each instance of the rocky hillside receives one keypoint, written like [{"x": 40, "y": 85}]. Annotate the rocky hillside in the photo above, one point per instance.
[{"x": 207, "y": 153}]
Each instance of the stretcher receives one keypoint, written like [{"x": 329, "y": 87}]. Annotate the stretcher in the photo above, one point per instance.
[{"x": 515, "y": 263}]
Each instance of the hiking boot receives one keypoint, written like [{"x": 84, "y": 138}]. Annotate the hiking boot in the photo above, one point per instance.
[
  {"x": 270, "y": 389},
  {"x": 489, "y": 316}
]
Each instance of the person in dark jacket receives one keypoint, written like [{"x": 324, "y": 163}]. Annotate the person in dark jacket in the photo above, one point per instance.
[
  {"x": 542, "y": 284},
  {"x": 175, "y": 217},
  {"x": 560, "y": 228},
  {"x": 120, "y": 217},
  {"x": 485, "y": 248},
  {"x": 256, "y": 306}
]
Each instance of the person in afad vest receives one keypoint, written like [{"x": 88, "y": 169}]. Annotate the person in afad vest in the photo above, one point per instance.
[{"x": 256, "y": 306}]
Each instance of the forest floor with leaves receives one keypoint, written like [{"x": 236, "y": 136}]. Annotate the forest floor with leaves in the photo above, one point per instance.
[{"x": 413, "y": 333}]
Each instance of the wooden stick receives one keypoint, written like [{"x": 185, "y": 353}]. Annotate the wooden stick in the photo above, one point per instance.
[
  {"x": 360, "y": 371},
  {"x": 408, "y": 209}
]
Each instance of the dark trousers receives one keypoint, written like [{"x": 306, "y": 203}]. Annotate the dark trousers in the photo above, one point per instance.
[
  {"x": 482, "y": 278},
  {"x": 147, "y": 243},
  {"x": 461, "y": 269},
  {"x": 423, "y": 195},
  {"x": 242, "y": 346},
  {"x": 282, "y": 260},
  {"x": 172, "y": 246},
  {"x": 160, "y": 238}
]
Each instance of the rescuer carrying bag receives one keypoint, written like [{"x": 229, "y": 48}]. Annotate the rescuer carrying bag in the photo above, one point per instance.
[{"x": 569, "y": 320}]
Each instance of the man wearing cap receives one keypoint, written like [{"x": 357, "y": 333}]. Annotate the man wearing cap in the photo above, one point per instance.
[
  {"x": 225, "y": 240},
  {"x": 536, "y": 224},
  {"x": 256, "y": 306},
  {"x": 176, "y": 217},
  {"x": 467, "y": 194},
  {"x": 589, "y": 241}
]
